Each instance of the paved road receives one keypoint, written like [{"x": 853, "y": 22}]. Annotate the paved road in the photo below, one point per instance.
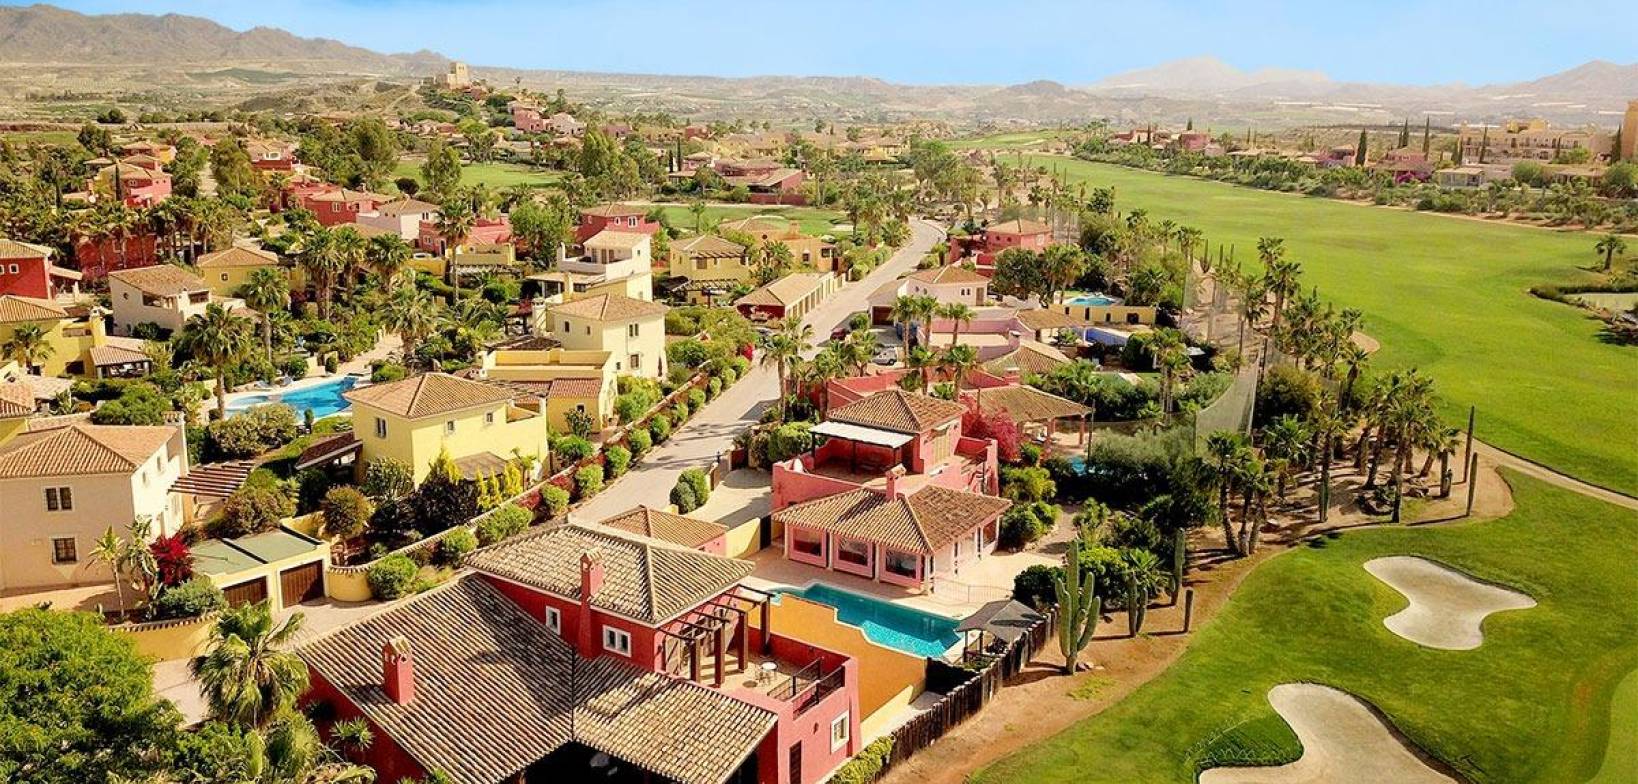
[{"x": 712, "y": 431}]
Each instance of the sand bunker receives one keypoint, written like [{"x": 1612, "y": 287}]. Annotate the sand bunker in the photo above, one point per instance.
[
  {"x": 1343, "y": 742},
  {"x": 1447, "y": 608}
]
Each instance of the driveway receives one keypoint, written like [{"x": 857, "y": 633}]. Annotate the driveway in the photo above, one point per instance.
[{"x": 712, "y": 430}]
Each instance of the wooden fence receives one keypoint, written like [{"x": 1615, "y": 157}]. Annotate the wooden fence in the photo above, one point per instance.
[{"x": 970, "y": 695}]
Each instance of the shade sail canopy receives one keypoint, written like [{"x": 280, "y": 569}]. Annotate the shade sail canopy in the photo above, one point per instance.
[{"x": 864, "y": 435}]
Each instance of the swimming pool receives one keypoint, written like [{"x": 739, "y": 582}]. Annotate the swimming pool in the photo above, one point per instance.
[
  {"x": 893, "y": 625},
  {"x": 1090, "y": 299},
  {"x": 322, "y": 399}
]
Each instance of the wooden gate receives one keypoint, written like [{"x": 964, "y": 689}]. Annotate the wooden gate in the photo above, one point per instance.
[{"x": 301, "y": 583}]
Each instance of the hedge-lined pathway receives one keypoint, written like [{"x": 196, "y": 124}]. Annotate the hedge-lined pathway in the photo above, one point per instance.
[{"x": 712, "y": 430}]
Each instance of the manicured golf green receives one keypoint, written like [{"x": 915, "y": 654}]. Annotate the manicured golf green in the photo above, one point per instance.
[
  {"x": 810, "y": 220},
  {"x": 494, "y": 175},
  {"x": 1532, "y": 704},
  {"x": 1447, "y": 295}
]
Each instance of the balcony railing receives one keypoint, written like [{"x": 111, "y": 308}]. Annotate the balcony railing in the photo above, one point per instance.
[{"x": 809, "y": 686}]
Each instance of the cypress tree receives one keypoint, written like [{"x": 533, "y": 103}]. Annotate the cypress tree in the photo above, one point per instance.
[
  {"x": 1404, "y": 134},
  {"x": 1427, "y": 135},
  {"x": 1359, "y": 152},
  {"x": 1191, "y": 125},
  {"x": 1458, "y": 159}
]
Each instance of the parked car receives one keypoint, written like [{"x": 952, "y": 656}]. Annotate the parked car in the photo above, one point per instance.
[{"x": 886, "y": 356}]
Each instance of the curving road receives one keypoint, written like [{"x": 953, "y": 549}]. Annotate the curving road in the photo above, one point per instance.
[{"x": 712, "y": 430}]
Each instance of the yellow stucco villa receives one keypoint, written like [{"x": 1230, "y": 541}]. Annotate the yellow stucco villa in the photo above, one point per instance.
[{"x": 479, "y": 424}]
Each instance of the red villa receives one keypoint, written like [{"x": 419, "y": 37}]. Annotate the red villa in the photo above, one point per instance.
[
  {"x": 26, "y": 271},
  {"x": 891, "y": 438},
  {"x": 889, "y": 536},
  {"x": 1018, "y": 233},
  {"x": 341, "y": 206},
  {"x": 584, "y": 652},
  {"x": 615, "y": 217}
]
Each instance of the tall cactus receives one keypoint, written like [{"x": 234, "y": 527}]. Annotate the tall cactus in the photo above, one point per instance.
[
  {"x": 1180, "y": 561},
  {"x": 1137, "y": 605},
  {"x": 1078, "y": 608}
]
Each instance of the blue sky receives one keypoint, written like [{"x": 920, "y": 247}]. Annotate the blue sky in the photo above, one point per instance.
[{"x": 962, "y": 41}]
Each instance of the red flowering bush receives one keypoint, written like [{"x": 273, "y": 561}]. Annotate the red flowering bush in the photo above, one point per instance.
[{"x": 174, "y": 559}]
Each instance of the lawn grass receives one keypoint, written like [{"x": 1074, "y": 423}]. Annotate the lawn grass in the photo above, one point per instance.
[
  {"x": 1532, "y": 704},
  {"x": 494, "y": 175},
  {"x": 1444, "y": 294},
  {"x": 52, "y": 138},
  {"x": 810, "y": 220},
  {"x": 1007, "y": 141}
]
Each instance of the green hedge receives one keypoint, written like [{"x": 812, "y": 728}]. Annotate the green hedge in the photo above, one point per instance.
[{"x": 867, "y": 765}]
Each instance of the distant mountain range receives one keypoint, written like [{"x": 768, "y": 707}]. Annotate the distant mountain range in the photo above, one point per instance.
[
  {"x": 45, "y": 34},
  {"x": 259, "y": 68}
]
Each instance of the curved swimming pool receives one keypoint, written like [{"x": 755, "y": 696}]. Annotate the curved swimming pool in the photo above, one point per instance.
[
  {"x": 322, "y": 399},
  {"x": 893, "y": 625}
]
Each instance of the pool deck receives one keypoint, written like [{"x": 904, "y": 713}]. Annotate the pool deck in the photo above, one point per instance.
[
  {"x": 359, "y": 364},
  {"x": 959, "y": 596}
]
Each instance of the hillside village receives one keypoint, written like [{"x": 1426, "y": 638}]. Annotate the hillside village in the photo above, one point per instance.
[{"x": 514, "y": 440}]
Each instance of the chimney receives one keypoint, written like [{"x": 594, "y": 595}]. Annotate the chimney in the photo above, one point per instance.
[
  {"x": 591, "y": 581},
  {"x": 893, "y": 474},
  {"x": 398, "y": 671},
  {"x": 1013, "y": 338}
]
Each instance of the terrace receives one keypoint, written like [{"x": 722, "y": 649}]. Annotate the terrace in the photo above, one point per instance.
[{"x": 848, "y": 457}]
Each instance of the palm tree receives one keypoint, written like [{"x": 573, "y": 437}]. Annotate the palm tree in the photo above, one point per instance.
[
  {"x": 28, "y": 346},
  {"x": 1253, "y": 296},
  {"x": 455, "y": 221},
  {"x": 409, "y": 311},
  {"x": 244, "y": 676},
  {"x": 926, "y": 307},
  {"x": 322, "y": 259},
  {"x": 266, "y": 290},
  {"x": 113, "y": 551},
  {"x": 921, "y": 362},
  {"x": 696, "y": 208},
  {"x": 906, "y": 313},
  {"x": 958, "y": 361},
  {"x": 217, "y": 338},
  {"x": 1610, "y": 246},
  {"x": 830, "y": 362},
  {"x": 859, "y": 349},
  {"x": 1171, "y": 358},
  {"x": 388, "y": 255},
  {"x": 289, "y": 751},
  {"x": 352, "y": 251},
  {"x": 1256, "y": 479},
  {"x": 1287, "y": 441},
  {"x": 960, "y": 315},
  {"x": 1226, "y": 451}
]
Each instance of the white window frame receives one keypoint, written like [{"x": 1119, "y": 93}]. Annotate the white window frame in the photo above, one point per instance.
[
  {"x": 845, "y": 722},
  {"x": 616, "y": 640},
  {"x": 554, "y": 619}
]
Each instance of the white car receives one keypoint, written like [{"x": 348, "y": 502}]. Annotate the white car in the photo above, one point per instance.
[{"x": 886, "y": 356}]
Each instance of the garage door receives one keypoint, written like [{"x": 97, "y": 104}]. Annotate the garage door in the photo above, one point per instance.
[
  {"x": 302, "y": 583},
  {"x": 248, "y": 592}
]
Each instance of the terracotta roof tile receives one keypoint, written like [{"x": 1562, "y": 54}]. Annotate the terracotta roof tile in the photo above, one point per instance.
[
  {"x": 496, "y": 691},
  {"x": 644, "y": 579},
  {"x": 160, "y": 280},
  {"x": 1028, "y": 404},
  {"x": 898, "y": 411},
  {"x": 612, "y": 210},
  {"x": 1019, "y": 226},
  {"x": 81, "y": 450},
  {"x": 16, "y": 399},
  {"x": 13, "y": 249},
  {"x": 1030, "y": 357},
  {"x": 709, "y": 246},
  {"x": 237, "y": 256},
  {"x": 610, "y": 307},
  {"x": 406, "y": 207},
  {"x": 951, "y": 274},
  {"x": 14, "y": 309},
  {"x": 618, "y": 240},
  {"x": 785, "y": 291},
  {"x": 1042, "y": 318},
  {"x": 921, "y": 522},
  {"x": 657, "y": 524},
  {"x": 429, "y": 394}
]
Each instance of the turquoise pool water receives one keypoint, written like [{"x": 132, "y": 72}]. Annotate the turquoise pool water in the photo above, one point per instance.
[
  {"x": 322, "y": 399},
  {"x": 896, "y": 626},
  {"x": 1090, "y": 299}
]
